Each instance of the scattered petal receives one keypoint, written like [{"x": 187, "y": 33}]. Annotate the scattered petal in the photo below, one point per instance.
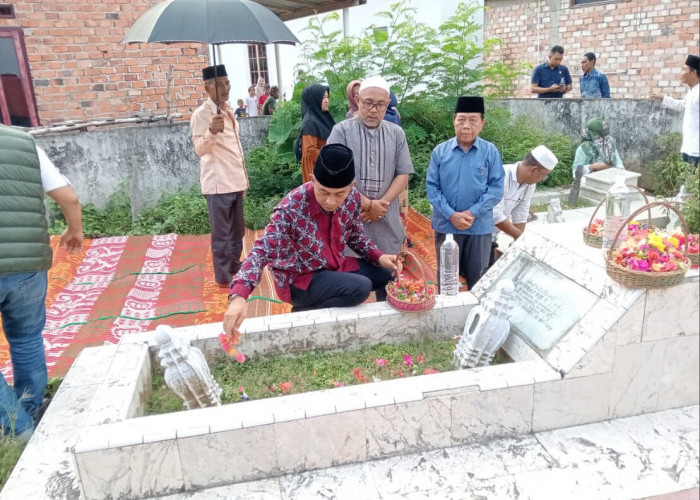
[
  {"x": 408, "y": 360},
  {"x": 420, "y": 358},
  {"x": 240, "y": 357},
  {"x": 381, "y": 362},
  {"x": 429, "y": 371},
  {"x": 285, "y": 387}
]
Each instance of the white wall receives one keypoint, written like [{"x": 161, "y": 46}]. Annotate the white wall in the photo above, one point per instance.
[{"x": 235, "y": 57}]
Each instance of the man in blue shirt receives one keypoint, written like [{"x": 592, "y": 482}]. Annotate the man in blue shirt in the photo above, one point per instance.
[
  {"x": 464, "y": 182},
  {"x": 551, "y": 79},
  {"x": 594, "y": 84}
]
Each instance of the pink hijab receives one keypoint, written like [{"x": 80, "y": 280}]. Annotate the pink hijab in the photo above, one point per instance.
[{"x": 352, "y": 105}]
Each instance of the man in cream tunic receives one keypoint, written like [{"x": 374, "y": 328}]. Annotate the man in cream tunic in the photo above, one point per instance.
[
  {"x": 216, "y": 139},
  {"x": 382, "y": 163}
]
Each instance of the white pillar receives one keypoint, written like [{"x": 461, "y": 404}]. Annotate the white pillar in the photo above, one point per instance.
[
  {"x": 278, "y": 69},
  {"x": 346, "y": 22}
]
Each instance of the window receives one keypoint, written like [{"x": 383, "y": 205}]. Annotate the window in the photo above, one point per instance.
[
  {"x": 17, "y": 103},
  {"x": 7, "y": 11},
  {"x": 257, "y": 59}
]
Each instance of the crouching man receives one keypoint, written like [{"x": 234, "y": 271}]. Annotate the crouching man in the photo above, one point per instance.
[
  {"x": 304, "y": 246},
  {"x": 511, "y": 213}
]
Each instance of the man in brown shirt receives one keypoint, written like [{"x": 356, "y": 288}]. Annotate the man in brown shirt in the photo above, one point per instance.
[{"x": 216, "y": 139}]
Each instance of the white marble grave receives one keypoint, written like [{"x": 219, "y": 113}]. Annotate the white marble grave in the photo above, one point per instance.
[{"x": 624, "y": 355}]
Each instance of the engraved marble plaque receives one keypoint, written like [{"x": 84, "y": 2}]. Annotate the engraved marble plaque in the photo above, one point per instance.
[{"x": 547, "y": 303}]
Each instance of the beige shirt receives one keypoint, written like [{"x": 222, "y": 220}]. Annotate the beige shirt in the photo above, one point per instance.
[{"x": 222, "y": 163}]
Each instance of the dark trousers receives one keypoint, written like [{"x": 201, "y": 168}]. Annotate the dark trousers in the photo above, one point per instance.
[
  {"x": 339, "y": 289},
  {"x": 227, "y": 230},
  {"x": 474, "y": 254}
]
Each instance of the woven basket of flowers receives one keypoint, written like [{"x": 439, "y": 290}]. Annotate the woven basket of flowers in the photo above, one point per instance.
[
  {"x": 593, "y": 232},
  {"x": 648, "y": 257},
  {"x": 411, "y": 295}
]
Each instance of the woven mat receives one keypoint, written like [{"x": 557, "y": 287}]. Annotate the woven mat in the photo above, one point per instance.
[{"x": 122, "y": 285}]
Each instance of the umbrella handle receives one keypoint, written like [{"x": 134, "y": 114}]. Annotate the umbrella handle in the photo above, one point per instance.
[{"x": 216, "y": 83}]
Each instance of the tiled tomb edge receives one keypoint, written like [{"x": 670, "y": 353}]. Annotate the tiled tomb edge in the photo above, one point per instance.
[{"x": 143, "y": 456}]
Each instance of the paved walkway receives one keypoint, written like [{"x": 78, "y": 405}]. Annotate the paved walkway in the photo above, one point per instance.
[{"x": 654, "y": 456}]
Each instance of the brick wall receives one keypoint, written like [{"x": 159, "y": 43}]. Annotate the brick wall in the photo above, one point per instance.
[
  {"x": 641, "y": 44},
  {"x": 81, "y": 70}
]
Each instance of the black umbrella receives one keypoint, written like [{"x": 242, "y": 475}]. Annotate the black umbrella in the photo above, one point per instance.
[{"x": 209, "y": 21}]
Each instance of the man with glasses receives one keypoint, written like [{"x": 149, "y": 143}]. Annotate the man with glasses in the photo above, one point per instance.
[
  {"x": 511, "y": 213},
  {"x": 382, "y": 163},
  {"x": 464, "y": 182}
]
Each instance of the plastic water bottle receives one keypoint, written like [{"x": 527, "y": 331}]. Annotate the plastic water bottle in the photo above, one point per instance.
[
  {"x": 449, "y": 266},
  {"x": 617, "y": 209}
]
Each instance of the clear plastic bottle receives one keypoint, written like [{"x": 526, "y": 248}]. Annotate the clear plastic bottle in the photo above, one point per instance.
[
  {"x": 617, "y": 209},
  {"x": 449, "y": 266}
]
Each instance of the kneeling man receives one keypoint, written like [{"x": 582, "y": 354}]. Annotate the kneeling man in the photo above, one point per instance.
[
  {"x": 304, "y": 246},
  {"x": 511, "y": 213}
]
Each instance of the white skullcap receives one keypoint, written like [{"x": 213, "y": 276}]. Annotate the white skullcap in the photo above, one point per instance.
[
  {"x": 545, "y": 157},
  {"x": 375, "y": 81}
]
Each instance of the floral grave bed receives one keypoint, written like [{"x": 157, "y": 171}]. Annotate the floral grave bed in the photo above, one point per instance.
[{"x": 263, "y": 377}]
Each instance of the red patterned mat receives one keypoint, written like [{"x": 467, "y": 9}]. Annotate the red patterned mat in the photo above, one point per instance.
[{"x": 124, "y": 285}]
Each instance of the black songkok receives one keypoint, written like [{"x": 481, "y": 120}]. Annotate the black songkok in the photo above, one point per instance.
[
  {"x": 208, "y": 72},
  {"x": 693, "y": 62},
  {"x": 470, "y": 104},
  {"x": 334, "y": 166}
]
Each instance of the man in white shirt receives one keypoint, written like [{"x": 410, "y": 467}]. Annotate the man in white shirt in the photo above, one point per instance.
[
  {"x": 690, "y": 147},
  {"x": 511, "y": 213}
]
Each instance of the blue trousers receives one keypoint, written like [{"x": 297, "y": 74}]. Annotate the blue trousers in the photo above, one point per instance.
[
  {"x": 339, "y": 289},
  {"x": 23, "y": 309}
]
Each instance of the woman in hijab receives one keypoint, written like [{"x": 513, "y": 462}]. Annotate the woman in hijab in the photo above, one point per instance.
[
  {"x": 353, "y": 91},
  {"x": 392, "y": 114},
  {"x": 598, "y": 150},
  {"x": 316, "y": 125}
]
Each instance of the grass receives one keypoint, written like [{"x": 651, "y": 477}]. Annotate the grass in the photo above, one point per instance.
[
  {"x": 265, "y": 377},
  {"x": 10, "y": 451},
  {"x": 11, "y": 448}
]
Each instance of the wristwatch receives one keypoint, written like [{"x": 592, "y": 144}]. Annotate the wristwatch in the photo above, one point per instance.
[{"x": 232, "y": 296}]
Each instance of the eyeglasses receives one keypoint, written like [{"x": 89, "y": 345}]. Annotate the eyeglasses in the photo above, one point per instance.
[{"x": 379, "y": 106}]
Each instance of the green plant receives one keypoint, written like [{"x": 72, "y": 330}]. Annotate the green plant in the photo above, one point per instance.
[
  {"x": 691, "y": 208},
  {"x": 669, "y": 170},
  {"x": 10, "y": 451},
  {"x": 257, "y": 211},
  {"x": 272, "y": 172},
  {"x": 514, "y": 138},
  {"x": 184, "y": 212},
  {"x": 114, "y": 219}
]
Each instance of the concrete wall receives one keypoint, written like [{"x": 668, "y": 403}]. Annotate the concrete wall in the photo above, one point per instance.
[
  {"x": 158, "y": 158},
  {"x": 634, "y": 123},
  {"x": 148, "y": 159}
]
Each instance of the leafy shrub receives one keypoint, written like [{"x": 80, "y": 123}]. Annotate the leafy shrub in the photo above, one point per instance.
[
  {"x": 669, "y": 170},
  {"x": 257, "y": 211},
  {"x": 514, "y": 138},
  {"x": 272, "y": 172},
  {"x": 691, "y": 209},
  {"x": 114, "y": 219},
  {"x": 182, "y": 213}
]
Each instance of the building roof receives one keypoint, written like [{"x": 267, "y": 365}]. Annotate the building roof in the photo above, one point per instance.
[{"x": 294, "y": 9}]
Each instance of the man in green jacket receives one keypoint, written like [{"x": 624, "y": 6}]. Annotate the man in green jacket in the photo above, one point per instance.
[{"x": 26, "y": 173}]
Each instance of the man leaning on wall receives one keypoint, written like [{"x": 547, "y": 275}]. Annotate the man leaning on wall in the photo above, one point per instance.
[{"x": 26, "y": 173}]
